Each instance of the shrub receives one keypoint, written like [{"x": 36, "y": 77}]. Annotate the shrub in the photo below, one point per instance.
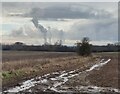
[{"x": 84, "y": 48}]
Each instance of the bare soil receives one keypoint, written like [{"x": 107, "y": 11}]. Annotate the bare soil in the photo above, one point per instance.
[
  {"x": 19, "y": 66},
  {"x": 25, "y": 65},
  {"x": 106, "y": 76}
]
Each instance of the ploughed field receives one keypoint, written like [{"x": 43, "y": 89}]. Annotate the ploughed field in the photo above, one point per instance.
[{"x": 30, "y": 71}]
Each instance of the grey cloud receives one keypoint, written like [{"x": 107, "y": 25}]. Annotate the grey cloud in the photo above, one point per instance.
[
  {"x": 101, "y": 27},
  {"x": 53, "y": 11},
  {"x": 23, "y": 32},
  {"x": 69, "y": 12},
  {"x": 18, "y": 33},
  {"x": 96, "y": 31}
]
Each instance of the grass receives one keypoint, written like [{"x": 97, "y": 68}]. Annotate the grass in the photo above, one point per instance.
[
  {"x": 21, "y": 69},
  {"x": 18, "y": 68},
  {"x": 15, "y": 65},
  {"x": 17, "y": 73},
  {"x": 8, "y": 74}
]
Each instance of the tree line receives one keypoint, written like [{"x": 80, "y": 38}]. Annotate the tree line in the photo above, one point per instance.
[{"x": 82, "y": 48}]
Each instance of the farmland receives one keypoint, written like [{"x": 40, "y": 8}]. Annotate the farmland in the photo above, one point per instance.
[{"x": 19, "y": 66}]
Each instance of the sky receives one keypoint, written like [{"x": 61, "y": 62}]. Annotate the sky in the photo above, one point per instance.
[{"x": 65, "y": 21}]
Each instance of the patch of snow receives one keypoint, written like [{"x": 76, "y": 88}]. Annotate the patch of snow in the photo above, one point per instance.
[
  {"x": 44, "y": 81},
  {"x": 53, "y": 79},
  {"x": 61, "y": 78},
  {"x": 98, "y": 65}
]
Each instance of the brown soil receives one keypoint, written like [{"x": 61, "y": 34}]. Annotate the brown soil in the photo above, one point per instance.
[
  {"x": 41, "y": 63},
  {"x": 34, "y": 64},
  {"x": 106, "y": 76}
]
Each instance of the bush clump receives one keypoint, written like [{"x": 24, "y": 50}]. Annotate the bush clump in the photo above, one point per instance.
[{"x": 84, "y": 48}]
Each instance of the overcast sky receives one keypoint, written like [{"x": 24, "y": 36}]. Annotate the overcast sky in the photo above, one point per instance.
[{"x": 69, "y": 22}]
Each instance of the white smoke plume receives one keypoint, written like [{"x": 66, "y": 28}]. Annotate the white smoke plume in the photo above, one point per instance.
[
  {"x": 41, "y": 29},
  {"x": 49, "y": 35},
  {"x": 48, "y": 32}
]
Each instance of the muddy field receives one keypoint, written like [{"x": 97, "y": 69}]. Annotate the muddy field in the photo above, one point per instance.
[{"x": 59, "y": 72}]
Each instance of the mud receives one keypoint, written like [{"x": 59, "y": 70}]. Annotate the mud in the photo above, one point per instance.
[{"x": 58, "y": 82}]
